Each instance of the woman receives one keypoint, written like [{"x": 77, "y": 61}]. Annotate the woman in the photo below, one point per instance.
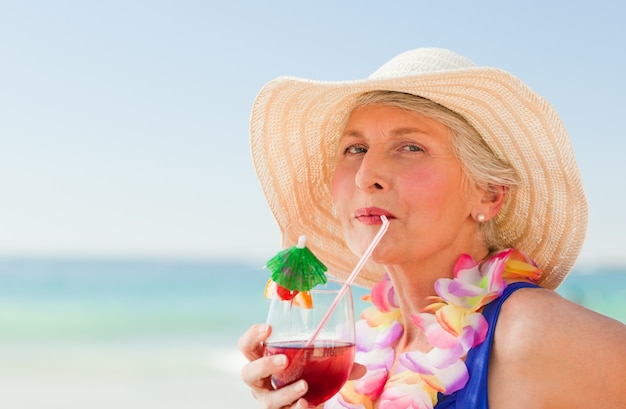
[{"x": 477, "y": 176}]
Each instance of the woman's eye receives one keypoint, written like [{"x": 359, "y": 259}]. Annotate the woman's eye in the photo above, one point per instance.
[
  {"x": 412, "y": 148},
  {"x": 354, "y": 150}
]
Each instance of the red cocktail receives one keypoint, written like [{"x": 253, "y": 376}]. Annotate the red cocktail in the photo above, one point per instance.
[{"x": 325, "y": 366}]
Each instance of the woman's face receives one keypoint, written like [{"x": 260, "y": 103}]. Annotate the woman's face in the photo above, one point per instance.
[{"x": 396, "y": 163}]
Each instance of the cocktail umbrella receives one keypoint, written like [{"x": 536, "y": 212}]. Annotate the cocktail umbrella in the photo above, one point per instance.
[{"x": 295, "y": 271}]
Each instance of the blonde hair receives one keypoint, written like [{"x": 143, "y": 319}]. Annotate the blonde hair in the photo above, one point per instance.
[{"x": 481, "y": 165}]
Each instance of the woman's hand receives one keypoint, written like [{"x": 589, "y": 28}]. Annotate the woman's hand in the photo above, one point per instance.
[{"x": 257, "y": 373}]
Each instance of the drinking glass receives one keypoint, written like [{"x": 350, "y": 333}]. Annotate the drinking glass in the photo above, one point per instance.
[{"x": 326, "y": 362}]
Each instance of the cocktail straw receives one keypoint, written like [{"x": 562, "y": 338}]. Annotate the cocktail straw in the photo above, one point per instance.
[{"x": 351, "y": 277}]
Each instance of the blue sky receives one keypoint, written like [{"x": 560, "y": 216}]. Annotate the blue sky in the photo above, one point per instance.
[{"x": 124, "y": 124}]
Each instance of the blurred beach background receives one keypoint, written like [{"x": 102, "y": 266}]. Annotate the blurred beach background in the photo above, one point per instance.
[
  {"x": 132, "y": 227},
  {"x": 139, "y": 334}
]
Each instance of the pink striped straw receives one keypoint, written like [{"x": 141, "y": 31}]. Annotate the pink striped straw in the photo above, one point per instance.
[{"x": 351, "y": 277}]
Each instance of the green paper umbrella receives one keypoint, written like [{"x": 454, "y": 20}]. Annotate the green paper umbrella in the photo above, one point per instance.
[{"x": 297, "y": 268}]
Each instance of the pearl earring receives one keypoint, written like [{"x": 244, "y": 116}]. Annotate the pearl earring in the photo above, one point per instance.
[{"x": 480, "y": 218}]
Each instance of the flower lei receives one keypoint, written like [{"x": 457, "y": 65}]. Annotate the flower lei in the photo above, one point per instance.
[{"x": 453, "y": 324}]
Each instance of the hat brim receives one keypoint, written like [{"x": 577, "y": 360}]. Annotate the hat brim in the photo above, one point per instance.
[{"x": 294, "y": 128}]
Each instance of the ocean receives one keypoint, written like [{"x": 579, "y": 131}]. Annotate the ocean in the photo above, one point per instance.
[{"x": 155, "y": 334}]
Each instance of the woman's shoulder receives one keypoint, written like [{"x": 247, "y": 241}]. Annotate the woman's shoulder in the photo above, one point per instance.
[
  {"x": 527, "y": 315},
  {"x": 535, "y": 320},
  {"x": 546, "y": 314},
  {"x": 555, "y": 348}
]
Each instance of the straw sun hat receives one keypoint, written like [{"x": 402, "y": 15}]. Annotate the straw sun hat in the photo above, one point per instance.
[{"x": 295, "y": 124}]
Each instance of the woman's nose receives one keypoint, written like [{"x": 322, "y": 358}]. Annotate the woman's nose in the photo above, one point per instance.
[{"x": 370, "y": 176}]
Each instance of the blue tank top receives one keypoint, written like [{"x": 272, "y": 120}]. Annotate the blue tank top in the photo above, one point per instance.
[{"x": 474, "y": 394}]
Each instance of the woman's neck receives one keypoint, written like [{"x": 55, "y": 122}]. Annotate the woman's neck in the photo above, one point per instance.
[{"x": 413, "y": 285}]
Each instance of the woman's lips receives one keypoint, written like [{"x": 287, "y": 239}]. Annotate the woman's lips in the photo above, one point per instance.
[{"x": 371, "y": 215}]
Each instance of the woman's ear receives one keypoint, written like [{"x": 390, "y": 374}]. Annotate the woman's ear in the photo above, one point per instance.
[{"x": 491, "y": 201}]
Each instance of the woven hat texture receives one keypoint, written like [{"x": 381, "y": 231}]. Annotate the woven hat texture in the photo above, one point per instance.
[{"x": 295, "y": 125}]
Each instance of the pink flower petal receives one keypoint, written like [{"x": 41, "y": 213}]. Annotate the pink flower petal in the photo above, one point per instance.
[
  {"x": 338, "y": 402},
  {"x": 458, "y": 293},
  {"x": 441, "y": 358},
  {"x": 383, "y": 295},
  {"x": 440, "y": 338},
  {"x": 475, "y": 330},
  {"x": 366, "y": 336},
  {"x": 465, "y": 262},
  {"x": 388, "y": 335},
  {"x": 372, "y": 383},
  {"x": 423, "y": 320},
  {"x": 377, "y": 358},
  {"x": 405, "y": 396},
  {"x": 450, "y": 318},
  {"x": 454, "y": 377},
  {"x": 417, "y": 361},
  {"x": 436, "y": 335},
  {"x": 461, "y": 289}
]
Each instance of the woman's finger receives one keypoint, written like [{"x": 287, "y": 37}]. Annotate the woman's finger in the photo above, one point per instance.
[
  {"x": 250, "y": 343},
  {"x": 289, "y": 396},
  {"x": 357, "y": 371},
  {"x": 257, "y": 373}
]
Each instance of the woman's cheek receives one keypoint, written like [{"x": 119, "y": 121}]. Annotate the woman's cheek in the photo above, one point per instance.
[{"x": 338, "y": 187}]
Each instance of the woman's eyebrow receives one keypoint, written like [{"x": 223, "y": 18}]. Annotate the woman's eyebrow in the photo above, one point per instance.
[
  {"x": 395, "y": 132},
  {"x": 405, "y": 131},
  {"x": 351, "y": 134}
]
